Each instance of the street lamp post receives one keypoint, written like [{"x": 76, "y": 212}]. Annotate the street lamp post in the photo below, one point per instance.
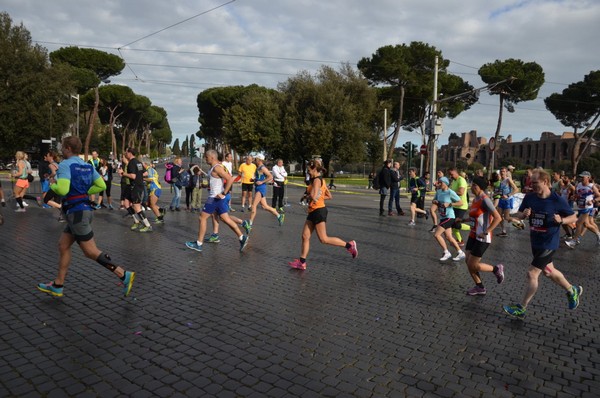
[{"x": 76, "y": 96}]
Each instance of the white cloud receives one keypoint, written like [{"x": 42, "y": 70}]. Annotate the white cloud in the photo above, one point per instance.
[{"x": 559, "y": 35}]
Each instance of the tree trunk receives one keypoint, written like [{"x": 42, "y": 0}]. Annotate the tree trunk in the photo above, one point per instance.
[
  {"x": 390, "y": 152},
  {"x": 496, "y": 135},
  {"x": 577, "y": 152},
  {"x": 93, "y": 116}
]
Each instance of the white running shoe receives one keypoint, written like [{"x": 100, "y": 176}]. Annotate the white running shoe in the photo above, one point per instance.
[
  {"x": 460, "y": 256},
  {"x": 446, "y": 256}
]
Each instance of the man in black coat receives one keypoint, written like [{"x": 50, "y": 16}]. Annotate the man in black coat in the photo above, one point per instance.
[{"x": 385, "y": 181}]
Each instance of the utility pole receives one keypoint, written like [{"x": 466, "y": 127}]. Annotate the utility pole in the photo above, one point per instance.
[
  {"x": 434, "y": 127},
  {"x": 385, "y": 134}
]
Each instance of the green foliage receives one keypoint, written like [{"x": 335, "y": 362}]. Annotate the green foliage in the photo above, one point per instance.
[
  {"x": 104, "y": 65},
  {"x": 175, "y": 148},
  {"x": 574, "y": 107},
  {"x": 253, "y": 122},
  {"x": 330, "y": 114},
  {"x": 31, "y": 91},
  {"x": 211, "y": 107},
  {"x": 406, "y": 74},
  {"x": 528, "y": 78},
  {"x": 591, "y": 164}
]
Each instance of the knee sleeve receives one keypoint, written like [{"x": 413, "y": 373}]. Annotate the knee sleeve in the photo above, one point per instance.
[{"x": 105, "y": 260}]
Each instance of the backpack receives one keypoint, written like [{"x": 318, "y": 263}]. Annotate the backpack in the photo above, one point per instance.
[
  {"x": 376, "y": 182},
  {"x": 168, "y": 174},
  {"x": 184, "y": 179}
]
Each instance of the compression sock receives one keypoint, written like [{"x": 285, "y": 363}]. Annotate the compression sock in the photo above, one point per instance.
[
  {"x": 302, "y": 260},
  {"x": 20, "y": 202},
  {"x": 457, "y": 235},
  {"x": 105, "y": 260},
  {"x": 142, "y": 217}
]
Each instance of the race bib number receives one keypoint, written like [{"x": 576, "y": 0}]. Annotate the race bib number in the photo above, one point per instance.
[{"x": 538, "y": 222}]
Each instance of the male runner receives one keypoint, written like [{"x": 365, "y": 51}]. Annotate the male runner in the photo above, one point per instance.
[{"x": 76, "y": 180}]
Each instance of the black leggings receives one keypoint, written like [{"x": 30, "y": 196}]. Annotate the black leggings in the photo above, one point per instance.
[{"x": 188, "y": 196}]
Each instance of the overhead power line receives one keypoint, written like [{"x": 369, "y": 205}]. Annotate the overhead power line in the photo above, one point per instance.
[{"x": 179, "y": 23}]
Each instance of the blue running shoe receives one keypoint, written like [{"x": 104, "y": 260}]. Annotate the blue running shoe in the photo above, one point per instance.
[
  {"x": 573, "y": 296},
  {"x": 128, "y": 282},
  {"x": 247, "y": 226},
  {"x": 50, "y": 289},
  {"x": 213, "y": 238},
  {"x": 194, "y": 246},
  {"x": 281, "y": 218},
  {"x": 243, "y": 243},
  {"x": 515, "y": 310}
]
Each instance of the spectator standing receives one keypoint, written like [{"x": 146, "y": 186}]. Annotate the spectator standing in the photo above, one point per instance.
[
  {"x": 396, "y": 177},
  {"x": 176, "y": 171},
  {"x": 279, "y": 177},
  {"x": 385, "y": 181}
]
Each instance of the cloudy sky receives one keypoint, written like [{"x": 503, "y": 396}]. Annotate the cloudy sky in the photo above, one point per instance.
[{"x": 175, "y": 49}]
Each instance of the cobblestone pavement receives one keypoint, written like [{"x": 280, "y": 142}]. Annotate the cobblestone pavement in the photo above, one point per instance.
[{"x": 393, "y": 322}]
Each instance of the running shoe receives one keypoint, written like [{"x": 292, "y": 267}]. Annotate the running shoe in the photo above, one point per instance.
[
  {"x": 280, "y": 219},
  {"x": 401, "y": 213},
  {"x": 20, "y": 210},
  {"x": 519, "y": 224},
  {"x": 50, "y": 289},
  {"x": 460, "y": 256},
  {"x": 247, "y": 226},
  {"x": 432, "y": 230},
  {"x": 499, "y": 273},
  {"x": 243, "y": 243},
  {"x": 110, "y": 207},
  {"x": 135, "y": 226},
  {"x": 128, "y": 282},
  {"x": 353, "y": 250},
  {"x": 503, "y": 234},
  {"x": 281, "y": 210},
  {"x": 476, "y": 291},
  {"x": 571, "y": 243},
  {"x": 297, "y": 264},
  {"x": 461, "y": 243},
  {"x": 446, "y": 256},
  {"x": 194, "y": 246},
  {"x": 159, "y": 221},
  {"x": 412, "y": 223},
  {"x": 574, "y": 296},
  {"x": 515, "y": 310},
  {"x": 146, "y": 229},
  {"x": 213, "y": 238}
]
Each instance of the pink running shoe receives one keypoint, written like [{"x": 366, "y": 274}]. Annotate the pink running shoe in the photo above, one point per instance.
[
  {"x": 297, "y": 264},
  {"x": 352, "y": 249}
]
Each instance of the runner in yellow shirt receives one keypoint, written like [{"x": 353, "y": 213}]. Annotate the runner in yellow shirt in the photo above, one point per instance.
[
  {"x": 460, "y": 186},
  {"x": 246, "y": 171}
]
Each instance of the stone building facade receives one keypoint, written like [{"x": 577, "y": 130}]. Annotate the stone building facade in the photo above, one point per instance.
[{"x": 546, "y": 152}]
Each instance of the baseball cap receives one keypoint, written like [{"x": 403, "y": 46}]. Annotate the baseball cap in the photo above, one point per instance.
[
  {"x": 444, "y": 180},
  {"x": 585, "y": 174},
  {"x": 260, "y": 156},
  {"x": 511, "y": 167}
]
